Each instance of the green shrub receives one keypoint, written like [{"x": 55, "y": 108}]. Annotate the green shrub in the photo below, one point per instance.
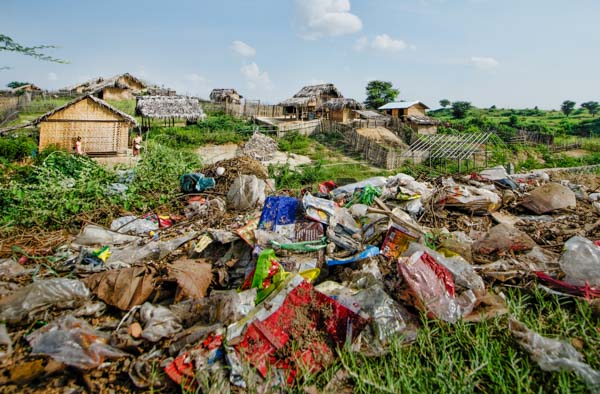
[
  {"x": 16, "y": 148},
  {"x": 294, "y": 142}
]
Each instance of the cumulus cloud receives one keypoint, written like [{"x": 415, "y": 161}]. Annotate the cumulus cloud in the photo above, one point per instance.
[
  {"x": 254, "y": 76},
  {"x": 318, "y": 18},
  {"x": 52, "y": 77},
  {"x": 382, "y": 42},
  {"x": 484, "y": 63},
  {"x": 242, "y": 49}
]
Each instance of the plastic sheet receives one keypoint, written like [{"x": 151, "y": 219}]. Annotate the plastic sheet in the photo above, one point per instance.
[
  {"x": 370, "y": 251},
  {"x": 73, "y": 342},
  {"x": 550, "y": 197},
  {"x": 279, "y": 216},
  {"x": 349, "y": 189},
  {"x": 246, "y": 192},
  {"x": 153, "y": 250},
  {"x": 195, "y": 183},
  {"x": 469, "y": 198},
  {"x": 433, "y": 287},
  {"x": 581, "y": 262},
  {"x": 133, "y": 225},
  {"x": 93, "y": 235},
  {"x": 554, "y": 355},
  {"x": 159, "y": 322},
  {"x": 30, "y": 300}
]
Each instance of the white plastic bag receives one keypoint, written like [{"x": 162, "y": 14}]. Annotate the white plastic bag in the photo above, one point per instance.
[
  {"x": 581, "y": 262},
  {"x": 246, "y": 192},
  {"x": 133, "y": 225}
]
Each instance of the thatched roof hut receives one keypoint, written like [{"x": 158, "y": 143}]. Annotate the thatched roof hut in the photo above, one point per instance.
[
  {"x": 229, "y": 96},
  {"x": 119, "y": 87},
  {"x": 341, "y": 109},
  {"x": 103, "y": 128},
  {"x": 169, "y": 107},
  {"x": 310, "y": 99}
]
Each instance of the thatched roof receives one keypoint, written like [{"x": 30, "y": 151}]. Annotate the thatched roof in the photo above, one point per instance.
[
  {"x": 402, "y": 105},
  {"x": 93, "y": 98},
  {"x": 97, "y": 84},
  {"x": 423, "y": 120},
  {"x": 311, "y": 93},
  {"x": 370, "y": 114},
  {"x": 29, "y": 86},
  {"x": 162, "y": 107},
  {"x": 337, "y": 104},
  {"x": 223, "y": 94}
]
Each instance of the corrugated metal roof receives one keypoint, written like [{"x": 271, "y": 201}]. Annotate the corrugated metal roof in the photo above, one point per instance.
[{"x": 401, "y": 105}]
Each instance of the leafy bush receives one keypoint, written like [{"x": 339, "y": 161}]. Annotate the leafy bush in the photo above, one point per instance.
[
  {"x": 16, "y": 148},
  {"x": 294, "y": 142}
]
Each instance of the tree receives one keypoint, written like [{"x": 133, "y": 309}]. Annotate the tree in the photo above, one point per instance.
[
  {"x": 567, "y": 107},
  {"x": 380, "y": 93},
  {"x": 591, "y": 106},
  {"x": 16, "y": 84},
  {"x": 9, "y": 45},
  {"x": 513, "y": 120},
  {"x": 444, "y": 103},
  {"x": 460, "y": 109}
]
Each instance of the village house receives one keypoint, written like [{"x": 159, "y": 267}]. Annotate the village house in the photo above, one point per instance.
[
  {"x": 413, "y": 113},
  {"x": 119, "y": 87},
  {"x": 169, "y": 109},
  {"x": 226, "y": 96},
  {"x": 307, "y": 103},
  {"x": 104, "y": 130},
  {"x": 341, "y": 109}
]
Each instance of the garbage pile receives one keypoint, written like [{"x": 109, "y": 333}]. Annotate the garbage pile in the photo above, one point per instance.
[{"x": 248, "y": 288}]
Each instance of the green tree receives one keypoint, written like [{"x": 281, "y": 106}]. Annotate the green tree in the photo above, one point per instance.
[
  {"x": 16, "y": 84},
  {"x": 9, "y": 45},
  {"x": 513, "y": 120},
  {"x": 567, "y": 107},
  {"x": 380, "y": 93},
  {"x": 591, "y": 106},
  {"x": 460, "y": 109},
  {"x": 444, "y": 103}
]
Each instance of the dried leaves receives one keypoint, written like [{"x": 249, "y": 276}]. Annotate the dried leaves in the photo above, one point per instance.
[
  {"x": 123, "y": 288},
  {"x": 192, "y": 277}
]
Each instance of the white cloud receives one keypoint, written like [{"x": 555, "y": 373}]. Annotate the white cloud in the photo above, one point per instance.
[
  {"x": 243, "y": 49},
  {"x": 254, "y": 77},
  {"x": 318, "y": 18},
  {"x": 194, "y": 77},
  {"x": 484, "y": 63},
  {"x": 382, "y": 42},
  {"x": 52, "y": 77}
]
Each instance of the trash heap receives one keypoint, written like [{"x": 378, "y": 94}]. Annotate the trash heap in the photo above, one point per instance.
[{"x": 249, "y": 288}]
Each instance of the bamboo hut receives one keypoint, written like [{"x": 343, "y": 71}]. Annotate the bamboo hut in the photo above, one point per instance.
[
  {"x": 226, "y": 96},
  {"x": 306, "y": 104},
  {"x": 168, "y": 108},
  {"x": 104, "y": 130},
  {"x": 403, "y": 109},
  {"x": 423, "y": 124},
  {"x": 119, "y": 87},
  {"x": 341, "y": 109}
]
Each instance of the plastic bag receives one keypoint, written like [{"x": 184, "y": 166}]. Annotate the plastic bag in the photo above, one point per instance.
[
  {"x": 246, "y": 192},
  {"x": 5, "y": 343},
  {"x": 433, "y": 287},
  {"x": 92, "y": 235},
  {"x": 133, "y": 225},
  {"x": 503, "y": 238},
  {"x": 318, "y": 209},
  {"x": 73, "y": 342},
  {"x": 581, "y": 262},
  {"x": 27, "y": 301},
  {"x": 370, "y": 251},
  {"x": 195, "y": 183},
  {"x": 349, "y": 189},
  {"x": 469, "y": 198},
  {"x": 458, "y": 242},
  {"x": 267, "y": 275},
  {"x": 279, "y": 215},
  {"x": 554, "y": 355},
  {"x": 550, "y": 197},
  {"x": 159, "y": 322},
  {"x": 153, "y": 250},
  {"x": 462, "y": 272}
]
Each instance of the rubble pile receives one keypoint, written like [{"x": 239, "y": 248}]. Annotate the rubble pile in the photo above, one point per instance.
[
  {"x": 249, "y": 289},
  {"x": 259, "y": 147}
]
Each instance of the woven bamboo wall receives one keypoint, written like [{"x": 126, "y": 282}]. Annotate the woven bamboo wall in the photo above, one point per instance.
[
  {"x": 101, "y": 130},
  {"x": 112, "y": 93}
]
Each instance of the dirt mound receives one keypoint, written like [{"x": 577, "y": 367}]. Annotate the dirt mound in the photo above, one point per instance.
[
  {"x": 382, "y": 135},
  {"x": 235, "y": 167},
  {"x": 259, "y": 147}
]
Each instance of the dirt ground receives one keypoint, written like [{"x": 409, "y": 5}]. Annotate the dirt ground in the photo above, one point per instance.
[{"x": 576, "y": 153}]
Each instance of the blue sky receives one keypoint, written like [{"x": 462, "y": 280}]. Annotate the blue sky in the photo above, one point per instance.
[{"x": 510, "y": 53}]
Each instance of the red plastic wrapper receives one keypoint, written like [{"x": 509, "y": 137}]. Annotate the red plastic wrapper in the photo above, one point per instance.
[
  {"x": 585, "y": 291},
  {"x": 396, "y": 241},
  {"x": 294, "y": 330},
  {"x": 432, "y": 286}
]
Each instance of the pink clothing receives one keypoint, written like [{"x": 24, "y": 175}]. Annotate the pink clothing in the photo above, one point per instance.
[{"x": 78, "y": 148}]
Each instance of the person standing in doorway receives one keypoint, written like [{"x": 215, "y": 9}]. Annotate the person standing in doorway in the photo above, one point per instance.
[
  {"x": 78, "y": 147},
  {"x": 137, "y": 144}
]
